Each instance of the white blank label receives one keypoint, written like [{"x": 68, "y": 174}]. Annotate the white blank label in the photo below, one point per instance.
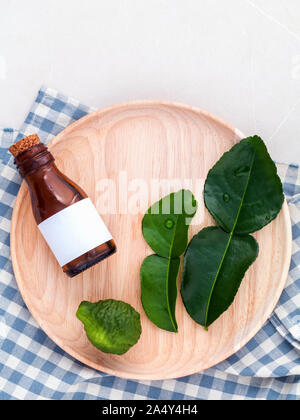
[{"x": 74, "y": 231}]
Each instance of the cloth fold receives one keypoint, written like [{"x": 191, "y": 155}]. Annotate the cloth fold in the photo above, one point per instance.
[{"x": 32, "y": 366}]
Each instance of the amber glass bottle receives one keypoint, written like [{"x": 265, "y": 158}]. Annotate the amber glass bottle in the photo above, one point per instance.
[{"x": 65, "y": 215}]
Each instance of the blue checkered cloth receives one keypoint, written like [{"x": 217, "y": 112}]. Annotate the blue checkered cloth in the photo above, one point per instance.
[{"x": 32, "y": 366}]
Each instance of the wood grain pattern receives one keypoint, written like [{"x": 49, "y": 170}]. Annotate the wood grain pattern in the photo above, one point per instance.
[{"x": 148, "y": 139}]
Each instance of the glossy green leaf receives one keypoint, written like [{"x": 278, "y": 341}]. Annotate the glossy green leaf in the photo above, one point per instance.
[
  {"x": 214, "y": 266},
  {"x": 159, "y": 290},
  {"x": 243, "y": 191},
  {"x": 111, "y": 326},
  {"x": 165, "y": 226}
]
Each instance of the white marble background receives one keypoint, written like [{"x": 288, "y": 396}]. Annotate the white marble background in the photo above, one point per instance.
[{"x": 239, "y": 59}]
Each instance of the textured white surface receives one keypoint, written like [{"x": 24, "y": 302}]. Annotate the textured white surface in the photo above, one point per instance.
[{"x": 239, "y": 59}]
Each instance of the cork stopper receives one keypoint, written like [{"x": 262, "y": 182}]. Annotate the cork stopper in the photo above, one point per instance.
[{"x": 24, "y": 144}]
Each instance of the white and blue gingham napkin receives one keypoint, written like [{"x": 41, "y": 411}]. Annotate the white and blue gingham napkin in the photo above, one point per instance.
[{"x": 32, "y": 366}]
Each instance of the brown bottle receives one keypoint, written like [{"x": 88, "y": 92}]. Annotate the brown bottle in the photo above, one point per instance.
[{"x": 65, "y": 215}]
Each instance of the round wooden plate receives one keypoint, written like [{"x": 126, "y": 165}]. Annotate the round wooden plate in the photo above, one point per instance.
[{"x": 147, "y": 140}]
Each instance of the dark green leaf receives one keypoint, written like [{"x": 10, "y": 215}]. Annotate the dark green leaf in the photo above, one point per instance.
[
  {"x": 243, "y": 191},
  {"x": 165, "y": 228},
  {"x": 111, "y": 325},
  {"x": 214, "y": 266},
  {"x": 166, "y": 224},
  {"x": 159, "y": 290}
]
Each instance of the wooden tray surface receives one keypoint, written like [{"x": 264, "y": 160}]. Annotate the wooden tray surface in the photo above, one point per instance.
[{"x": 149, "y": 140}]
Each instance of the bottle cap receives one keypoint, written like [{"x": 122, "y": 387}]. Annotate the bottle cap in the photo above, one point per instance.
[{"x": 24, "y": 144}]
